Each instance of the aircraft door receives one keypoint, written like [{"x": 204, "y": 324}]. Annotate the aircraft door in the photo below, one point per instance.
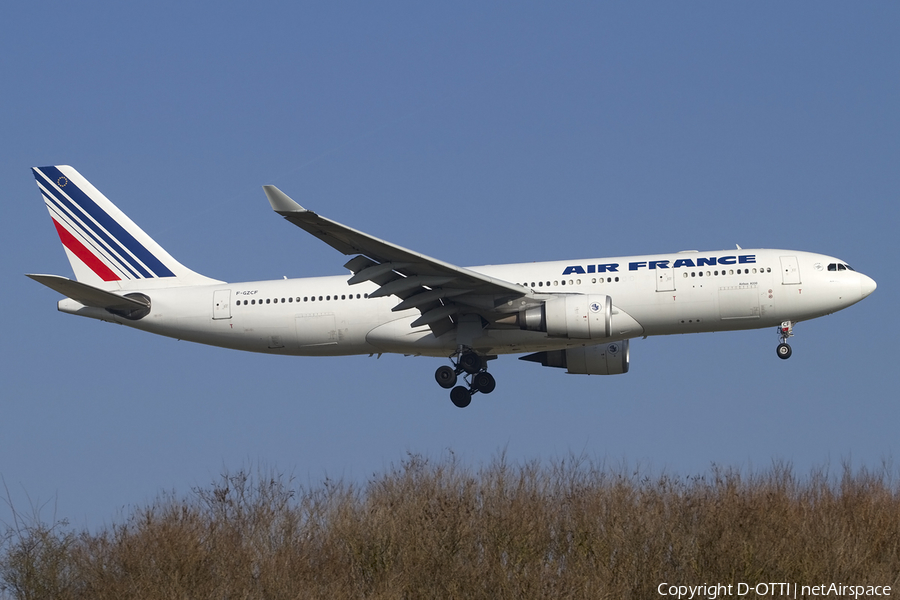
[
  {"x": 790, "y": 270},
  {"x": 318, "y": 329},
  {"x": 222, "y": 304},
  {"x": 665, "y": 280}
]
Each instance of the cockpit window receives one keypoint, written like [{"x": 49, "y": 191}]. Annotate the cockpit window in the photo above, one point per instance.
[{"x": 840, "y": 267}]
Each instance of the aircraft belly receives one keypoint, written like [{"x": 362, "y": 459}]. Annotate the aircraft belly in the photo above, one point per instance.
[{"x": 399, "y": 337}]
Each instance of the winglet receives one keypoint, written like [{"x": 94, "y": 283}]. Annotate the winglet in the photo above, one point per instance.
[{"x": 281, "y": 202}]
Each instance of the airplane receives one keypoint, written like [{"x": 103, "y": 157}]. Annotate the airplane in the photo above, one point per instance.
[{"x": 577, "y": 315}]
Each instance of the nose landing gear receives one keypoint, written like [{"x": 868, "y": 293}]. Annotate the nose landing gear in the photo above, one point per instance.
[
  {"x": 476, "y": 377},
  {"x": 785, "y": 331}
]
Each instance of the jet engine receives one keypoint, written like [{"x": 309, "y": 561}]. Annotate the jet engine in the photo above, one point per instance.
[
  {"x": 602, "y": 359},
  {"x": 575, "y": 316}
]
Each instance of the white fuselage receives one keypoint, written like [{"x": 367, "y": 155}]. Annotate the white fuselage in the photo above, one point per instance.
[{"x": 687, "y": 292}]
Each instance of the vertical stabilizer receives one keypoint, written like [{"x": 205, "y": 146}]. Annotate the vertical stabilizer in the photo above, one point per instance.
[{"x": 105, "y": 248}]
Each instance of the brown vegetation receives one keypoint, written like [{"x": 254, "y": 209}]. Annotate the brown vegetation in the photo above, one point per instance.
[{"x": 437, "y": 529}]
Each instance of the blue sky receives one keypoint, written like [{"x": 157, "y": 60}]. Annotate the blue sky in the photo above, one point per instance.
[{"x": 475, "y": 133}]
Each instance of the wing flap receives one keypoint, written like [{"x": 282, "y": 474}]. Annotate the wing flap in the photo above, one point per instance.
[
  {"x": 373, "y": 272},
  {"x": 435, "y": 315},
  {"x": 428, "y": 297}
]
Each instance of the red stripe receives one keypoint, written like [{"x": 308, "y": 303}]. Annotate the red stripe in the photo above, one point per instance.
[{"x": 84, "y": 255}]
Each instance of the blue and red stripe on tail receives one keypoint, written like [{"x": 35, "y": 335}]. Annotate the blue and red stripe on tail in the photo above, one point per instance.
[{"x": 104, "y": 246}]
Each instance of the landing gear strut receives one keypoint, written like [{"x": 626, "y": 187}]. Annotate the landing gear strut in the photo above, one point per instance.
[
  {"x": 473, "y": 367},
  {"x": 785, "y": 331}
]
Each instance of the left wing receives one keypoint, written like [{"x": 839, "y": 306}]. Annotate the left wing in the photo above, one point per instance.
[{"x": 439, "y": 290}]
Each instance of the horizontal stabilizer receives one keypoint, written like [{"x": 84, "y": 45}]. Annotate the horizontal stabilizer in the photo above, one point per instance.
[{"x": 89, "y": 295}]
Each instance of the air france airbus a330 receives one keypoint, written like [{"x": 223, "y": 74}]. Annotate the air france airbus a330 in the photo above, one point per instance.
[{"x": 577, "y": 315}]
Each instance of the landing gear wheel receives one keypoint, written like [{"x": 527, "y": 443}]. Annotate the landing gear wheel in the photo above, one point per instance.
[
  {"x": 784, "y": 351},
  {"x": 472, "y": 367},
  {"x": 484, "y": 382},
  {"x": 471, "y": 363},
  {"x": 445, "y": 376},
  {"x": 460, "y": 396}
]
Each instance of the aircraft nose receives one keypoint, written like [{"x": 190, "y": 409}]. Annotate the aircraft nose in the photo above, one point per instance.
[{"x": 867, "y": 285}]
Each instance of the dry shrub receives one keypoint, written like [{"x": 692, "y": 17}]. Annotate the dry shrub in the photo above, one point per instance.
[{"x": 437, "y": 529}]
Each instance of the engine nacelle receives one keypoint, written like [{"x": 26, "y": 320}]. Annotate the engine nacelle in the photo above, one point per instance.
[
  {"x": 602, "y": 359},
  {"x": 575, "y": 316}
]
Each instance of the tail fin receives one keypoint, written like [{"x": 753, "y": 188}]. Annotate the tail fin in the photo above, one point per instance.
[{"x": 105, "y": 248}]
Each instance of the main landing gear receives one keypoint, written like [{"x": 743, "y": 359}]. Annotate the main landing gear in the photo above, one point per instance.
[
  {"x": 785, "y": 330},
  {"x": 476, "y": 377}
]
